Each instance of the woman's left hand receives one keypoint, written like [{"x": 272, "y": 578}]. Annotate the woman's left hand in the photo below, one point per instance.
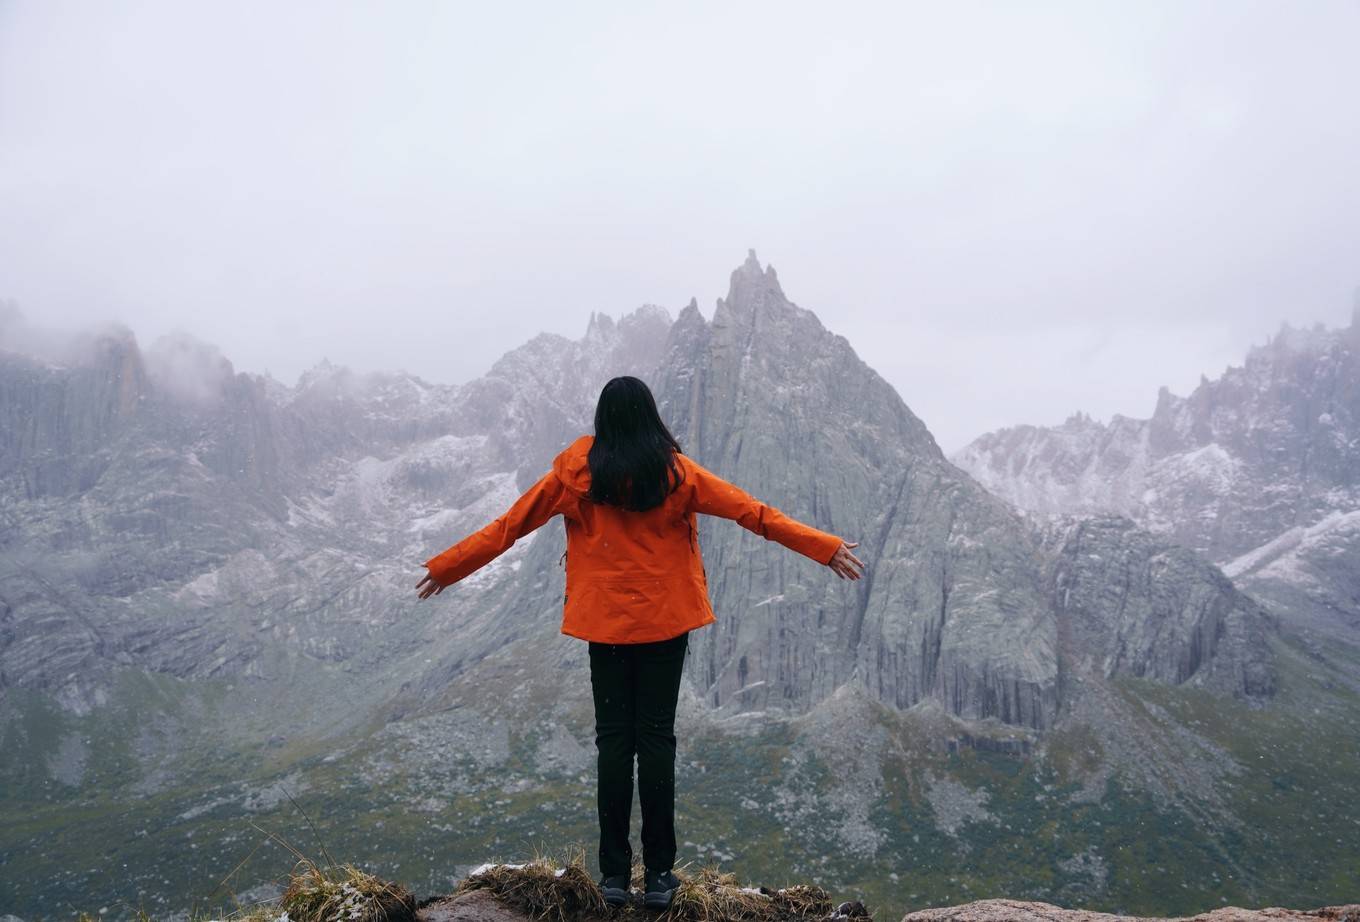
[{"x": 432, "y": 589}]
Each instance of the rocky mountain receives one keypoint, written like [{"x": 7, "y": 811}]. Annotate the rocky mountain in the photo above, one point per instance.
[
  {"x": 1258, "y": 470},
  {"x": 959, "y": 607},
  {"x": 208, "y": 617}
]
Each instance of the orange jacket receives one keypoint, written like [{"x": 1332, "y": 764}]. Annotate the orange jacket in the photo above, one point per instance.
[{"x": 634, "y": 576}]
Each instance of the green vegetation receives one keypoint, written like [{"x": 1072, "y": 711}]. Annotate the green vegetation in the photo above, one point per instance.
[{"x": 760, "y": 803}]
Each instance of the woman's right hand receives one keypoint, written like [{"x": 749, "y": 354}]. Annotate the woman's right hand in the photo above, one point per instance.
[
  {"x": 428, "y": 586},
  {"x": 844, "y": 562}
]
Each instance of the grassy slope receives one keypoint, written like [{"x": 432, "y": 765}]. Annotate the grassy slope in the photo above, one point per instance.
[{"x": 92, "y": 846}]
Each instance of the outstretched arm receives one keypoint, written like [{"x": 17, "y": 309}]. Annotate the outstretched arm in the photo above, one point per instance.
[
  {"x": 538, "y": 504},
  {"x": 715, "y": 496}
]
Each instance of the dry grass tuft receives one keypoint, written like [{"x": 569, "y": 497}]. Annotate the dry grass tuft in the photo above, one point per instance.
[
  {"x": 546, "y": 889},
  {"x": 542, "y": 888},
  {"x": 344, "y": 893},
  {"x": 716, "y": 896},
  {"x": 803, "y": 899}
]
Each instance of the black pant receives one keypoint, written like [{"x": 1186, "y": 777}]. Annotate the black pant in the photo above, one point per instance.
[{"x": 636, "y": 686}]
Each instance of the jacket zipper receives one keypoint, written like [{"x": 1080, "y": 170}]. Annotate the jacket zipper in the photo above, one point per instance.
[{"x": 694, "y": 547}]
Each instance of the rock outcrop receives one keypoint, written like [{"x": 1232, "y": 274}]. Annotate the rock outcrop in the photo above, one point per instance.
[
  {"x": 1133, "y": 603},
  {"x": 1020, "y": 911}
]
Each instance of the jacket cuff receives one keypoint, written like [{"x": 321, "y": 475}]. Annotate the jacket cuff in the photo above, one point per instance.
[
  {"x": 439, "y": 567},
  {"x": 835, "y": 545}
]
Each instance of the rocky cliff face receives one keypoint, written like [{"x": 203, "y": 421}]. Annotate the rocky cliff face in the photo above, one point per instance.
[
  {"x": 952, "y": 607},
  {"x": 1133, "y": 603}
]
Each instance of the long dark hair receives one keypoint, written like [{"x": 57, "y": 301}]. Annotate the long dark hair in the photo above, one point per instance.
[{"x": 632, "y": 457}]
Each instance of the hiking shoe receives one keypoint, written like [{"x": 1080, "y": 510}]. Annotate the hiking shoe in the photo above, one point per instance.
[
  {"x": 660, "y": 888},
  {"x": 615, "y": 889}
]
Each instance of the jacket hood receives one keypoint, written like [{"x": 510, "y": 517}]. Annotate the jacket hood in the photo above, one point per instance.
[{"x": 572, "y": 466}]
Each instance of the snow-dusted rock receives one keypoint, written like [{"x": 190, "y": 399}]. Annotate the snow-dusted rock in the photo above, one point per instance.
[{"x": 1259, "y": 470}]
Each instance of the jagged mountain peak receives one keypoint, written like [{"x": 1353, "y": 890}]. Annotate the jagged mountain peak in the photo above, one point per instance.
[
  {"x": 606, "y": 342},
  {"x": 762, "y": 353},
  {"x": 600, "y": 326},
  {"x": 1291, "y": 340},
  {"x": 690, "y": 319},
  {"x": 1080, "y": 420},
  {"x": 647, "y": 319},
  {"x": 751, "y": 289},
  {"x": 646, "y": 313}
]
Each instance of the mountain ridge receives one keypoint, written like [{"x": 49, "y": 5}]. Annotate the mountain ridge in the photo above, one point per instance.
[
  {"x": 1269, "y": 449},
  {"x": 206, "y": 596}
]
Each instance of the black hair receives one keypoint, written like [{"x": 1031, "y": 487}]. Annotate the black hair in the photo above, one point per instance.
[{"x": 632, "y": 457}]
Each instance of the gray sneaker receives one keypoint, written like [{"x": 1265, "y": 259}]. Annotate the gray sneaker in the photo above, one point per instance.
[
  {"x": 660, "y": 889},
  {"x": 615, "y": 889}
]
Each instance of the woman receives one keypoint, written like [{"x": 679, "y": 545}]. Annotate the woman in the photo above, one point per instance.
[{"x": 635, "y": 588}]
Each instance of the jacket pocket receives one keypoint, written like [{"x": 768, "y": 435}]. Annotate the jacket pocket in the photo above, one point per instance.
[{"x": 637, "y": 597}]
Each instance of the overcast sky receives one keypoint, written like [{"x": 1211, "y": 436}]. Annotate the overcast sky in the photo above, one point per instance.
[{"x": 1012, "y": 211}]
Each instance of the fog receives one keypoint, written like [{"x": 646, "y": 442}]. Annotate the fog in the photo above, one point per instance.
[{"x": 1011, "y": 211}]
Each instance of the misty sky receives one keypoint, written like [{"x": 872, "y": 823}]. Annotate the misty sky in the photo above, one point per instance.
[{"x": 1012, "y": 211}]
